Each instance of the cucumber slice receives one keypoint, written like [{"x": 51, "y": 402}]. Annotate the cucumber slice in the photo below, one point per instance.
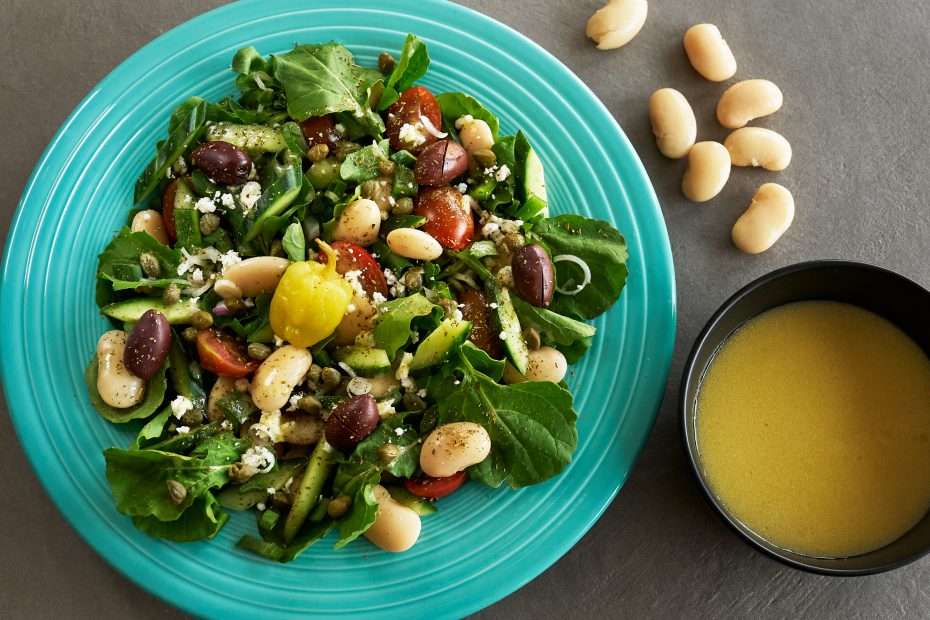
[
  {"x": 441, "y": 341},
  {"x": 248, "y": 137},
  {"x": 405, "y": 184},
  {"x": 131, "y": 310},
  {"x": 534, "y": 188},
  {"x": 187, "y": 226},
  {"x": 504, "y": 318},
  {"x": 482, "y": 191},
  {"x": 402, "y": 496},
  {"x": 244, "y": 496},
  {"x": 365, "y": 362}
]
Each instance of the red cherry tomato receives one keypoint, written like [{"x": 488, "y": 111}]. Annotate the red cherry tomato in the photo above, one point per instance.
[
  {"x": 351, "y": 257},
  {"x": 223, "y": 355},
  {"x": 167, "y": 209},
  {"x": 448, "y": 218},
  {"x": 474, "y": 306},
  {"x": 434, "y": 488},
  {"x": 320, "y": 130},
  {"x": 410, "y": 106}
]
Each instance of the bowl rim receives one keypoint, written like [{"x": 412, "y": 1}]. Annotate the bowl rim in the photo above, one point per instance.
[{"x": 691, "y": 373}]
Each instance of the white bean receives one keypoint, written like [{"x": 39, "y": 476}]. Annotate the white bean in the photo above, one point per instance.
[
  {"x": 616, "y": 24},
  {"x": 278, "y": 375},
  {"x": 756, "y": 146},
  {"x": 353, "y": 323},
  {"x": 673, "y": 122},
  {"x": 150, "y": 221},
  {"x": 709, "y": 53},
  {"x": 227, "y": 289},
  {"x": 116, "y": 385},
  {"x": 382, "y": 385},
  {"x": 301, "y": 429},
  {"x": 257, "y": 275},
  {"x": 413, "y": 243},
  {"x": 707, "y": 171},
  {"x": 359, "y": 223},
  {"x": 768, "y": 217},
  {"x": 450, "y": 448},
  {"x": 475, "y": 135},
  {"x": 544, "y": 364},
  {"x": 222, "y": 387},
  {"x": 396, "y": 527},
  {"x": 747, "y": 100}
]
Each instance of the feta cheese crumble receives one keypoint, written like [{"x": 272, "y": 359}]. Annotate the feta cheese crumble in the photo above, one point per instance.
[
  {"x": 205, "y": 205},
  {"x": 249, "y": 195},
  {"x": 259, "y": 457},
  {"x": 411, "y": 134},
  {"x": 181, "y": 405}
]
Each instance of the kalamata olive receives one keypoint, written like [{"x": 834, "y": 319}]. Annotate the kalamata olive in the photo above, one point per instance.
[
  {"x": 147, "y": 345},
  {"x": 474, "y": 307},
  {"x": 222, "y": 162},
  {"x": 533, "y": 276},
  {"x": 320, "y": 130},
  {"x": 440, "y": 162},
  {"x": 351, "y": 421}
]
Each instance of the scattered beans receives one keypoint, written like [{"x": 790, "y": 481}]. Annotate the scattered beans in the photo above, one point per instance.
[
  {"x": 616, "y": 24},
  {"x": 222, "y": 387},
  {"x": 117, "y": 386},
  {"x": 413, "y": 243},
  {"x": 278, "y": 375},
  {"x": 150, "y": 221},
  {"x": 532, "y": 338},
  {"x": 673, "y": 122},
  {"x": 533, "y": 275},
  {"x": 147, "y": 345},
  {"x": 545, "y": 364},
  {"x": 227, "y": 289},
  {"x": 355, "y": 322},
  {"x": 709, "y": 53},
  {"x": 301, "y": 429},
  {"x": 351, "y": 421},
  {"x": 476, "y": 135},
  {"x": 748, "y": 100},
  {"x": 768, "y": 217},
  {"x": 382, "y": 385},
  {"x": 359, "y": 223},
  {"x": 256, "y": 275},
  {"x": 707, "y": 172},
  {"x": 451, "y": 448},
  {"x": 755, "y": 146},
  {"x": 222, "y": 162},
  {"x": 440, "y": 162},
  {"x": 396, "y": 527},
  {"x": 338, "y": 506}
]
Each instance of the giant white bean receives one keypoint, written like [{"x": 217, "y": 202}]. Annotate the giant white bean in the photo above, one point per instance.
[
  {"x": 476, "y": 135},
  {"x": 222, "y": 387},
  {"x": 414, "y": 243},
  {"x": 709, "y": 53},
  {"x": 361, "y": 318},
  {"x": 756, "y": 146},
  {"x": 116, "y": 385},
  {"x": 673, "y": 122},
  {"x": 616, "y": 24},
  {"x": 150, "y": 221},
  {"x": 359, "y": 223},
  {"x": 768, "y": 217},
  {"x": 257, "y": 275},
  {"x": 450, "y": 448},
  {"x": 707, "y": 171},
  {"x": 748, "y": 100},
  {"x": 396, "y": 527},
  {"x": 544, "y": 364},
  {"x": 278, "y": 375}
]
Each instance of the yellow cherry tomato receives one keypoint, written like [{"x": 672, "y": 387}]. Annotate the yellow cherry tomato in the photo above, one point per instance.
[{"x": 310, "y": 301}]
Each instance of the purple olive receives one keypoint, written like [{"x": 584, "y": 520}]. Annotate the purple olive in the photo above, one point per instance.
[
  {"x": 439, "y": 163},
  {"x": 147, "y": 345},
  {"x": 351, "y": 421},
  {"x": 222, "y": 162},
  {"x": 533, "y": 276}
]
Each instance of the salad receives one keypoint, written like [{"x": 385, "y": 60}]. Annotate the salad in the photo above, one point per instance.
[{"x": 338, "y": 298}]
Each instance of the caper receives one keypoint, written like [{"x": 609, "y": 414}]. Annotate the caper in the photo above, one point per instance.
[
  {"x": 412, "y": 402},
  {"x": 448, "y": 307},
  {"x": 531, "y": 336},
  {"x": 314, "y": 373},
  {"x": 277, "y": 248},
  {"x": 194, "y": 417},
  {"x": 386, "y": 63},
  {"x": 190, "y": 333},
  {"x": 338, "y": 506},
  {"x": 485, "y": 157},
  {"x": 404, "y": 206},
  {"x": 318, "y": 152},
  {"x": 209, "y": 222},
  {"x": 171, "y": 295},
  {"x": 331, "y": 377},
  {"x": 202, "y": 319},
  {"x": 413, "y": 278},
  {"x": 388, "y": 453},
  {"x": 150, "y": 265},
  {"x": 344, "y": 148},
  {"x": 513, "y": 241},
  {"x": 387, "y": 167},
  {"x": 258, "y": 351},
  {"x": 310, "y": 404},
  {"x": 177, "y": 492}
]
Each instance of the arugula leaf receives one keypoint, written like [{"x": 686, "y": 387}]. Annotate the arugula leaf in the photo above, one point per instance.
[
  {"x": 274, "y": 201},
  {"x": 294, "y": 139},
  {"x": 569, "y": 336},
  {"x": 186, "y": 132},
  {"x": 154, "y": 396},
  {"x": 482, "y": 362},
  {"x": 294, "y": 243},
  {"x": 457, "y": 105},
  {"x": 203, "y": 519},
  {"x": 410, "y": 67},
  {"x": 153, "y": 429},
  {"x": 255, "y": 82},
  {"x": 237, "y": 407},
  {"x": 599, "y": 245},
  {"x": 139, "y": 478},
  {"x": 392, "y": 331},
  {"x": 386, "y": 432},
  {"x": 308, "y": 535},
  {"x": 363, "y": 164},
  {"x": 229, "y": 111},
  {"x": 356, "y": 479},
  {"x": 118, "y": 264}
]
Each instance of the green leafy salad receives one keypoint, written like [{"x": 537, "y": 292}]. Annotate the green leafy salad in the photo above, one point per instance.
[{"x": 338, "y": 298}]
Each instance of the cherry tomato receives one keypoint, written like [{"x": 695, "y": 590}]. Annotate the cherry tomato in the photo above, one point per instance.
[
  {"x": 410, "y": 106},
  {"x": 223, "y": 355},
  {"x": 448, "y": 218},
  {"x": 351, "y": 257},
  {"x": 475, "y": 309},
  {"x": 434, "y": 488},
  {"x": 167, "y": 209},
  {"x": 321, "y": 130}
]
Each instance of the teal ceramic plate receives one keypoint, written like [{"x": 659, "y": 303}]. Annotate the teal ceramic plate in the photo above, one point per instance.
[{"x": 483, "y": 544}]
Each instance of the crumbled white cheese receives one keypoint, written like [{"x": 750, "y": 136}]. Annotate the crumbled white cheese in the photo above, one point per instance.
[
  {"x": 502, "y": 173},
  {"x": 378, "y": 298},
  {"x": 181, "y": 405},
  {"x": 462, "y": 187},
  {"x": 502, "y": 335},
  {"x": 399, "y": 431},
  {"x": 391, "y": 201},
  {"x": 197, "y": 276},
  {"x": 350, "y": 308},
  {"x": 270, "y": 426},
  {"x": 463, "y": 120},
  {"x": 492, "y": 305},
  {"x": 287, "y": 485},
  {"x": 456, "y": 382},
  {"x": 352, "y": 277},
  {"x": 229, "y": 259},
  {"x": 386, "y": 407},
  {"x": 457, "y": 314},
  {"x": 489, "y": 229},
  {"x": 259, "y": 457},
  {"x": 411, "y": 135},
  {"x": 278, "y": 341},
  {"x": 271, "y": 490},
  {"x": 225, "y": 425},
  {"x": 339, "y": 127},
  {"x": 292, "y": 403},
  {"x": 228, "y": 201},
  {"x": 249, "y": 195},
  {"x": 205, "y": 205},
  {"x": 183, "y": 430},
  {"x": 180, "y": 166},
  {"x": 403, "y": 369},
  {"x": 422, "y": 393},
  {"x": 260, "y": 506}
]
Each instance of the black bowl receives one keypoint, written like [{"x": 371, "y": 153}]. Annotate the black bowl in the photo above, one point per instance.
[{"x": 901, "y": 301}]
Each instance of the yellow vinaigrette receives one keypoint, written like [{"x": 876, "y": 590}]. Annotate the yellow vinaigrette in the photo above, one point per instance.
[{"x": 310, "y": 300}]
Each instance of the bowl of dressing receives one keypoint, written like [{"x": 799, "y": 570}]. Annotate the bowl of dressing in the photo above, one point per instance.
[{"x": 805, "y": 409}]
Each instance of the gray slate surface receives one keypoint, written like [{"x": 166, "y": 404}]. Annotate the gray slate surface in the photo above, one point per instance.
[{"x": 856, "y": 85}]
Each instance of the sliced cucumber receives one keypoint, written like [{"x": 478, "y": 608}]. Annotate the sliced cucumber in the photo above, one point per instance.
[
  {"x": 244, "y": 496},
  {"x": 505, "y": 321},
  {"x": 365, "y": 362},
  {"x": 131, "y": 310},
  {"x": 402, "y": 496},
  {"x": 405, "y": 184},
  {"x": 536, "y": 199},
  {"x": 248, "y": 137},
  {"x": 441, "y": 341},
  {"x": 482, "y": 191},
  {"x": 187, "y": 226}
]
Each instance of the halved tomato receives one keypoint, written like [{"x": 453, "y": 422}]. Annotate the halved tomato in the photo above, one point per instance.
[
  {"x": 410, "y": 106},
  {"x": 167, "y": 209},
  {"x": 434, "y": 488},
  {"x": 321, "y": 130},
  {"x": 448, "y": 218},
  {"x": 351, "y": 257},
  {"x": 221, "y": 354}
]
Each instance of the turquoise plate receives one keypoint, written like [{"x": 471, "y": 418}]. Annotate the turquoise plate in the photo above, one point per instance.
[{"x": 483, "y": 544}]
